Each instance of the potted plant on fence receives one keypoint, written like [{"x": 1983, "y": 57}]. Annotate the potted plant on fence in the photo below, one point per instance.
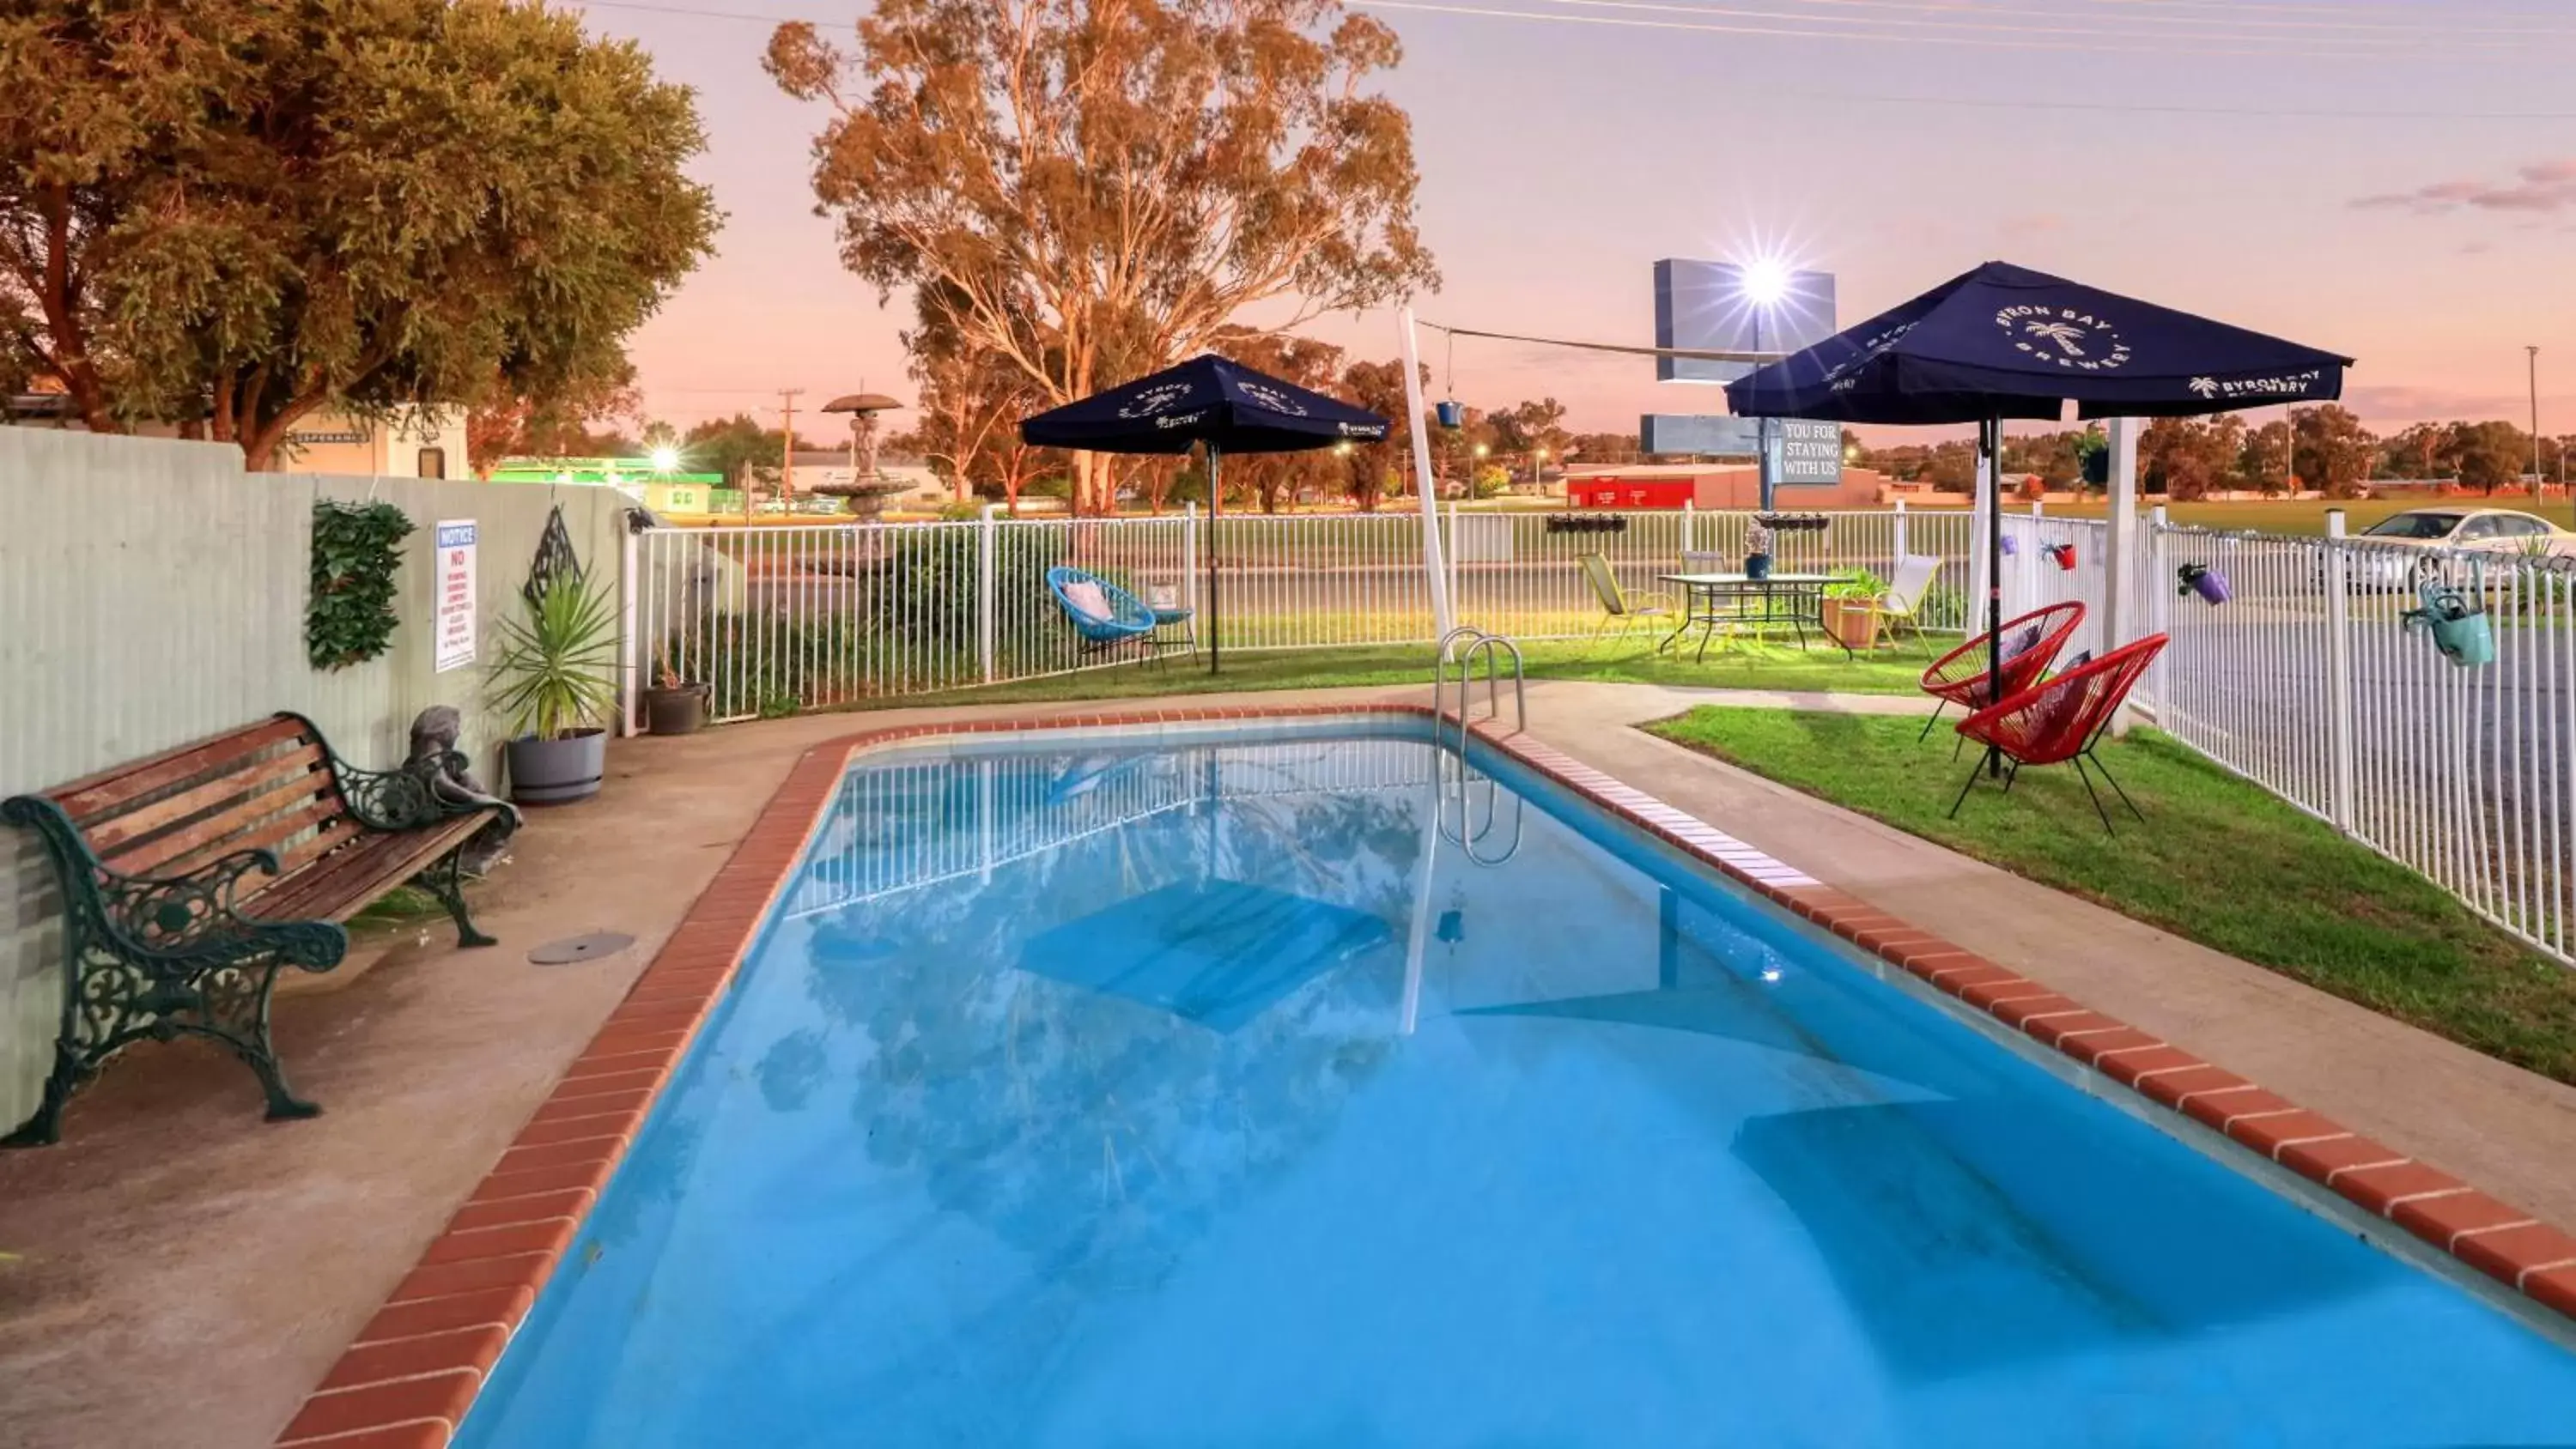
[
  {"x": 554, "y": 683},
  {"x": 1850, "y": 609},
  {"x": 672, "y": 707}
]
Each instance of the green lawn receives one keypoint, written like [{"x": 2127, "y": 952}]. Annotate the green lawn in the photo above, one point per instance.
[
  {"x": 1766, "y": 667},
  {"x": 2219, "y": 861}
]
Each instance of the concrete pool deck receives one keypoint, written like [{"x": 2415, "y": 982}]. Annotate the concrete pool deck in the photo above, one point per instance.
[{"x": 236, "y": 1259}]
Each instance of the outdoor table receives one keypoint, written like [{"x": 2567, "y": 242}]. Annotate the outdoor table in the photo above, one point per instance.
[{"x": 1794, "y": 599}]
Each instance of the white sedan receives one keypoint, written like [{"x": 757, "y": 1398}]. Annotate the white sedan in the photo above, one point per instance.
[{"x": 2513, "y": 535}]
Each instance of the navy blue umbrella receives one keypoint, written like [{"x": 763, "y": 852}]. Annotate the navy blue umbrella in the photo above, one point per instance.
[
  {"x": 1208, "y": 400},
  {"x": 2007, "y": 342}
]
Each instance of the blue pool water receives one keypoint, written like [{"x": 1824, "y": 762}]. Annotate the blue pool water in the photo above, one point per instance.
[{"x": 1087, "y": 1094}]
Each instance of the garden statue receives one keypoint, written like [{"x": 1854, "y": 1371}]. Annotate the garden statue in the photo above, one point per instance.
[{"x": 440, "y": 766}]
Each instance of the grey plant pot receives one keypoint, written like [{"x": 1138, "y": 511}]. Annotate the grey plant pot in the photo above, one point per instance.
[{"x": 556, "y": 772}]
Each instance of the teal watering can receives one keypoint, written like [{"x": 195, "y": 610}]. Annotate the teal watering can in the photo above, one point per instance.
[{"x": 2460, "y": 630}]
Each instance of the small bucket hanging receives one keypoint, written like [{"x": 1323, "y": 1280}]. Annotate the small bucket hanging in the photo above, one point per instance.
[
  {"x": 2459, "y": 629},
  {"x": 2203, "y": 580},
  {"x": 1449, "y": 412},
  {"x": 2064, "y": 554}
]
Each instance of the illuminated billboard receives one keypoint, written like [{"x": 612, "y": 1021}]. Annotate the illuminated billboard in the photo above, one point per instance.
[{"x": 1736, "y": 307}]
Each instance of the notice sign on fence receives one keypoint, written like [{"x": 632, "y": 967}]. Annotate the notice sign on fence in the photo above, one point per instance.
[{"x": 455, "y": 626}]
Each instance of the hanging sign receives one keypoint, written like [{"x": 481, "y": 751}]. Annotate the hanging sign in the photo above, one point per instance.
[
  {"x": 454, "y": 629},
  {"x": 1810, "y": 452}
]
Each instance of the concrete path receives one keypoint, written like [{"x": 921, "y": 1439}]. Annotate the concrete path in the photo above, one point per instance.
[{"x": 187, "y": 1272}]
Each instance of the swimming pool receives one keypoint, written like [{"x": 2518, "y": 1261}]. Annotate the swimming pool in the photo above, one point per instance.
[{"x": 1273, "y": 1087}]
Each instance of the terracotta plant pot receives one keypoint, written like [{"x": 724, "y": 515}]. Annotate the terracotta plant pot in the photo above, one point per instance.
[
  {"x": 1852, "y": 623},
  {"x": 678, "y": 711}
]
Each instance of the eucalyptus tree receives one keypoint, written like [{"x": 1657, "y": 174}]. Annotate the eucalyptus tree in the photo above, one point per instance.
[
  {"x": 239, "y": 211},
  {"x": 1104, "y": 188}
]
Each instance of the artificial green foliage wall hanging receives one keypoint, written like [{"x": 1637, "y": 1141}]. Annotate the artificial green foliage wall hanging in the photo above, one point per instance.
[{"x": 356, "y": 548}]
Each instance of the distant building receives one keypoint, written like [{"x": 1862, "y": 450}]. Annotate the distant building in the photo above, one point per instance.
[
  {"x": 668, "y": 493},
  {"x": 411, "y": 442},
  {"x": 1711, "y": 485}
]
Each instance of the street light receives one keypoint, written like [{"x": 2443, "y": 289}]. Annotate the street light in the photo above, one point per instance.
[
  {"x": 2534, "y": 355},
  {"x": 1764, "y": 283},
  {"x": 1538, "y": 460}
]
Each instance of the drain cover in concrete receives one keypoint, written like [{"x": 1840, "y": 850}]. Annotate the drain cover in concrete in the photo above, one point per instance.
[{"x": 580, "y": 948}]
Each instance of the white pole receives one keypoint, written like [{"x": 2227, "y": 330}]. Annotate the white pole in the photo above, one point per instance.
[
  {"x": 2159, "y": 585},
  {"x": 1432, "y": 572},
  {"x": 2339, "y": 733},
  {"x": 1978, "y": 524},
  {"x": 2030, "y": 547},
  {"x": 984, "y": 573},
  {"x": 2119, "y": 561},
  {"x": 630, "y": 584},
  {"x": 1190, "y": 557}
]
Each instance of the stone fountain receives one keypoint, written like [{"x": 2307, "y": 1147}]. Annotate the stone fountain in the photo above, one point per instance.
[{"x": 866, "y": 492}]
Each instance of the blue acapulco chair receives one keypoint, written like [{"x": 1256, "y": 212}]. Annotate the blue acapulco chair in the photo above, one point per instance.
[{"x": 1128, "y": 620}]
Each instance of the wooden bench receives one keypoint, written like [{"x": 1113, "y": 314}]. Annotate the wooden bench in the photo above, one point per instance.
[{"x": 190, "y": 879}]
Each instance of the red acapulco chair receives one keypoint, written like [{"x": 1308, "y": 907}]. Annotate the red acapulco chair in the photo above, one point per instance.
[
  {"x": 2060, "y": 720},
  {"x": 1959, "y": 677}
]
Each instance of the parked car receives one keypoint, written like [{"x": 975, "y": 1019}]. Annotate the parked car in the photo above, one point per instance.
[{"x": 2440, "y": 542}]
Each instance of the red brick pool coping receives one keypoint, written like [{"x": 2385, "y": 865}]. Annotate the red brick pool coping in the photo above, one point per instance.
[{"x": 417, "y": 1365}]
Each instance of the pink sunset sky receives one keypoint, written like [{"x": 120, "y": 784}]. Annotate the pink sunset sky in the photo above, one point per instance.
[{"x": 2393, "y": 179}]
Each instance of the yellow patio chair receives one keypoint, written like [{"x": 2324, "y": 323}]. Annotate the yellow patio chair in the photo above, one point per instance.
[
  {"x": 1617, "y": 605},
  {"x": 1901, "y": 604}
]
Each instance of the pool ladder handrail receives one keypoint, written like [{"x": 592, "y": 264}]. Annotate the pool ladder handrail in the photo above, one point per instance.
[
  {"x": 1478, "y": 643},
  {"x": 1467, "y": 835}
]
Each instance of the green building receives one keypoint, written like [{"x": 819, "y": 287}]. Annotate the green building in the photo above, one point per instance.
[{"x": 665, "y": 490}]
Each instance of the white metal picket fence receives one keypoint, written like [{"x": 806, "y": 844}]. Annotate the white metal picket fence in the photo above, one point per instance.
[
  {"x": 2303, "y": 682},
  {"x": 2307, "y": 682},
  {"x": 2056, "y": 560},
  {"x": 808, "y": 616}
]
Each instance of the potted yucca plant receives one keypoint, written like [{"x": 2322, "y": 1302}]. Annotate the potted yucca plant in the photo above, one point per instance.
[{"x": 554, "y": 683}]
